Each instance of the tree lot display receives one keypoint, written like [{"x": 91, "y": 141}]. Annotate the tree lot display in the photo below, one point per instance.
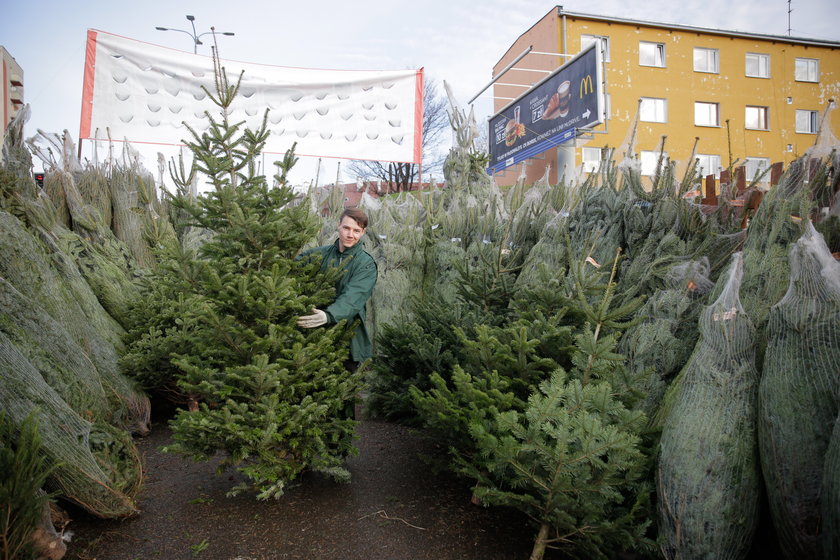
[
  {"x": 538, "y": 334},
  {"x": 477, "y": 361}
]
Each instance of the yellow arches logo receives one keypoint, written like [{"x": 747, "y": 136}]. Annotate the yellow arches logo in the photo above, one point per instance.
[{"x": 586, "y": 86}]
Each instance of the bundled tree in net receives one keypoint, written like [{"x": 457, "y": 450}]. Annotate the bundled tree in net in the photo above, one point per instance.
[
  {"x": 799, "y": 403},
  {"x": 268, "y": 395},
  {"x": 58, "y": 354},
  {"x": 708, "y": 481},
  {"x": 22, "y": 501}
]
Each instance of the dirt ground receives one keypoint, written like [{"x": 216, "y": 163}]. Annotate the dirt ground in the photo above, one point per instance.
[{"x": 395, "y": 508}]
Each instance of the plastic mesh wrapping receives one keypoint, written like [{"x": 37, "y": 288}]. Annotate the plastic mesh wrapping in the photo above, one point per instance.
[
  {"x": 708, "y": 480},
  {"x": 831, "y": 496},
  {"x": 60, "y": 355},
  {"x": 776, "y": 225},
  {"x": 66, "y": 439},
  {"x": 129, "y": 189},
  {"x": 800, "y": 400},
  {"x": 667, "y": 333}
]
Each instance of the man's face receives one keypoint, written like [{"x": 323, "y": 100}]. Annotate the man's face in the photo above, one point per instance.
[{"x": 349, "y": 233}]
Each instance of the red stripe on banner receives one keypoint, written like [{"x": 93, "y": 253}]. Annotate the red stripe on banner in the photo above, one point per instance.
[
  {"x": 418, "y": 117},
  {"x": 87, "y": 85}
]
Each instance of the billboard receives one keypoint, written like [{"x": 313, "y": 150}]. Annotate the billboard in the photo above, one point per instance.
[
  {"x": 549, "y": 113},
  {"x": 146, "y": 93}
]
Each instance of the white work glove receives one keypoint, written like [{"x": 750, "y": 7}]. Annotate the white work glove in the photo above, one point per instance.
[{"x": 317, "y": 319}]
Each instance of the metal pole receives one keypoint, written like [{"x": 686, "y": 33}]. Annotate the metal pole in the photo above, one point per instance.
[{"x": 499, "y": 75}]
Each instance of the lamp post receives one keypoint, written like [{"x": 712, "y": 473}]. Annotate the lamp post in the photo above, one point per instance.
[{"x": 196, "y": 37}]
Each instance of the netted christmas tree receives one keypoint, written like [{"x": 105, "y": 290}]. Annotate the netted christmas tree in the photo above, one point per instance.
[
  {"x": 708, "y": 480},
  {"x": 268, "y": 395},
  {"x": 800, "y": 402}
]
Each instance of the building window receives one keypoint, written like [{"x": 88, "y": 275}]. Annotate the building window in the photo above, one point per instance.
[
  {"x": 649, "y": 161},
  {"x": 652, "y": 54},
  {"x": 757, "y": 118},
  {"x": 590, "y": 159},
  {"x": 755, "y": 166},
  {"x": 706, "y": 114},
  {"x": 652, "y": 109},
  {"x": 807, "y": 121},
  {"x": 586, "y": 40},
  {"x": 807, "y": 70},
  {"x": 758, "y": 65},
  {"x": 706, "y": 60},
  {"x": 708, "y": 165}
]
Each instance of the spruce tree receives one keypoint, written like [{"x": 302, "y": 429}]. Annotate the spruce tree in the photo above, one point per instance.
[
  {"x": 573, "y": 458},
  {"x": 267, "y": 394}
]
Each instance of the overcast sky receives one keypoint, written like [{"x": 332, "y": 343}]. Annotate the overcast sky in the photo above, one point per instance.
[{"x": 454, "y": 40}]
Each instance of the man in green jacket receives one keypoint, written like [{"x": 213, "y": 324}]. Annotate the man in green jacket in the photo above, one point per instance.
[{"x": 354, "y": 287}]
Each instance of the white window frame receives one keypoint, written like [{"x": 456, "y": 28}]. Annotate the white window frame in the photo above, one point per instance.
[
  {"x": 753, "y": 166},
  {"x": 709, "y": 60},
  {"x": 653, "y": 109},
  {"x": 811, "y": 117},
  {"x": 807, "y": 70},
  {"x": 708, "y": 164},
  {"x": 655, "y": 58},
  {"x": 701, "y": 107},
  {"x": 762, "y": 113},
  {"x": 590, "y": 159},
  {"x": 648, "y": 161},
  {"x": 762, "y": 63},
  {"x": 586, "y": 40}
]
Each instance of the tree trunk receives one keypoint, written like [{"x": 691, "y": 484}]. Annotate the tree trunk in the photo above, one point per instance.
[{"x": 539, "y": 544}]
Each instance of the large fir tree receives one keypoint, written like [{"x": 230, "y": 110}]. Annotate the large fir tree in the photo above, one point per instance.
[{"x": 220, "y": 319}]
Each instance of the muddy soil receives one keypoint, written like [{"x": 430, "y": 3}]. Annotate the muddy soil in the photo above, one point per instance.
[{"x": 395, "y": 508}]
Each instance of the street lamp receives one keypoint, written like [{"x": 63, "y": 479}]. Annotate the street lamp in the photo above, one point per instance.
[{"x": 196, "y": 37}]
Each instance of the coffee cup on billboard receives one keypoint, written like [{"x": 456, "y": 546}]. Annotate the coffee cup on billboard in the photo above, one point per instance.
[{"x": 564, "y": 92}]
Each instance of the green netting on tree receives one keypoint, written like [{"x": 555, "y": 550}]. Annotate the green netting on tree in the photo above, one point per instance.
[
  {"x": 661, "y": 343},
  {"x": 131, "y": 191},
  {"x": 775, "y": 226},
  {"x": 95, "y": 189},
  {"x": 54, "y": 188},
  {"x": 831, "y": 496},
  {"x": 52, "y": 280},
  {"x": 550, "y": 252},
  {"x": 596, "y": 224},
  {"x": 708, "y": 480},
  {"x": 800, "y": 398},
  {"x": 79, "y": 475},
  {"x": 59, "y": 359}
]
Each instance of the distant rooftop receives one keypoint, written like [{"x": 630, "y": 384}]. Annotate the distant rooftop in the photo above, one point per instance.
[{"x": 730, "y": 33}]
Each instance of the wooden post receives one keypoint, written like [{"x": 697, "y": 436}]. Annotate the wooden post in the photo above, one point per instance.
[
  {"x": 740, "y": 180},
  {"x": 776, "y": 173},
  {"x": 711, "y": 196}
]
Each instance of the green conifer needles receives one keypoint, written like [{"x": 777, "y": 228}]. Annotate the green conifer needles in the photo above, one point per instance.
[
  {"x": 567, "y": 462},
  {"x": 25, "y": 470},
  {"x": 219, "y": 323}
]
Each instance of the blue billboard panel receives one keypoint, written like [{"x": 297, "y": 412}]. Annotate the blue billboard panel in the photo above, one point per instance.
[{"x": 549, "y": 113}]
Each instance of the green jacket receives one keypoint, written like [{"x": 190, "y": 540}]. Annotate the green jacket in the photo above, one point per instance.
[{"x": 352, "y": 291}]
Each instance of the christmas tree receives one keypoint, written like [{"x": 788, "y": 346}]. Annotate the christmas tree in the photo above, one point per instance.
[{"x": 220, "y": 319}]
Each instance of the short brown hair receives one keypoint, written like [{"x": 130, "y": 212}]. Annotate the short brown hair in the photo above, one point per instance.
[{"x": 358, "y": 215}]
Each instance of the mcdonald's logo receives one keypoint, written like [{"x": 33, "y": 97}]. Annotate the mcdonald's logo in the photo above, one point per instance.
[{"x": 586, "y": 86}]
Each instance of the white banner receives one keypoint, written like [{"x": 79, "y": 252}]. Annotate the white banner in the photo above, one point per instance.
[{"x": 144, "y": 93}]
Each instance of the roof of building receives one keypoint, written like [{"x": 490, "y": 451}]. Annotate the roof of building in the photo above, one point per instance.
[
  {"x": 694, "y": 29},
  {"x": 560, "y": 12}
]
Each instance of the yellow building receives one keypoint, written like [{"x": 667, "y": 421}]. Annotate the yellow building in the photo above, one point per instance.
[
  {"x": 12, "y": 87},
  {"x": 746, "y": 98}
]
